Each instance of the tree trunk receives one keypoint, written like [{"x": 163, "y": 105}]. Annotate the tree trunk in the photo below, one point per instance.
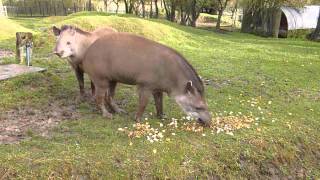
[
  {"x": 157, "y": 9},
  {"x": 222, "y": 7},
  {"x": 126, "y": 6},
  {"x": 151, "y": 9},
  {"x": 194, "y": 13},
  {"x": 220, "y": 13},
  {"x": 89, "y": 5},
  {"x": 131, "y": 6},
  {"x": 106, "y": 4},
  {"x": 39, "y": 5},
  {"x": 117, "y": 9},
  {"x": 316, "y": 33},
  {"x": 143, "y": 8},
  {"x": 166, "y": 10},
  {"x": 25, "y": 7},
  {"x": 276, "y": 22},
  {"x": 246, "y": 21},
  {"x": 173, "y": 11},
  {"x": 182, "y": 16}
]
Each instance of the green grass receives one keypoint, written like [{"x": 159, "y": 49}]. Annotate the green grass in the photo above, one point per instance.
[{"x": 283, "y": 143}]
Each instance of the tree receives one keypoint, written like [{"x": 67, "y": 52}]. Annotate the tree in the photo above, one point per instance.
[
  {"x": 89, "y": 5},
  {"x": 156, "y": 8},
  {"x": 315, "y": 35},
  {"x": 263, "y": 17},
  {"x": 221, "y": 6},
  {"x": 128, "y": 6},
  {"x": 142, "y": 2},
  {"x": 116, "y": 2},
  {"x": 170, "y": 9}
]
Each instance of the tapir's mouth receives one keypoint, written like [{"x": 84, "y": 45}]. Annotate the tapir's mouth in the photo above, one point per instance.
[{"x": 203, "y": 122}]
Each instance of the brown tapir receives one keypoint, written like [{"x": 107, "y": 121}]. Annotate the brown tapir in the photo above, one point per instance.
[
  {"x": 153, "y": 67},
  {"x": 78, "y": 44},
  {"x": 73, "y": 42}
]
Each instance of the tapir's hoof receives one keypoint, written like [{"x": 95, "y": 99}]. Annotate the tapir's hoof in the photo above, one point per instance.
[
  {"x": 80, "y": 99},
  {"x": 107, "y": 115},
  {"x": 121, "y": 111},
  {"x": 137, "y": 120},
  {"x": 162, "y": 116}
]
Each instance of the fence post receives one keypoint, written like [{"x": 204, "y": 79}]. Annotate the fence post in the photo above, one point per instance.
[
  {"x": 74, "y": 8},
  {"x": 47, "y": 7},
  {"x": 54, "y": 8},
  {"x": 43, "y": 10},
  {"x": 30, "y": 10},
  {"x": 39, "y": 4}
]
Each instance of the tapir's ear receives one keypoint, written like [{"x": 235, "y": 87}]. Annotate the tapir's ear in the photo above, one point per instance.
[
  {"x": 189, "y": 87},
  {"x": 56, "y": 31}
]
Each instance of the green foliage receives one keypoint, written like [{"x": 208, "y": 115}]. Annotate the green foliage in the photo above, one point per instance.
[{"x": 299, "y": 33}]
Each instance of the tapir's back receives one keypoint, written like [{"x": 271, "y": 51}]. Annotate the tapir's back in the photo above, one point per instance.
[{"x": 133, "y": 59}]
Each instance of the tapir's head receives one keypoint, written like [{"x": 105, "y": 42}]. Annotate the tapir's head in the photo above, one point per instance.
[
  {"x": 66, "y": 41},
  {"x": 192, "y": 101}
]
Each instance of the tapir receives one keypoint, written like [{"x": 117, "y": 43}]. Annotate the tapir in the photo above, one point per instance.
[
  {"x": 79, "y": 48},
  {"x": 154, "y": 68}
]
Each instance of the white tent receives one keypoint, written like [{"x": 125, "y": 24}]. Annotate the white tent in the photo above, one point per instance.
[
  {"x": 3, "y": 9},
  {"x": 301, "y": 18}
]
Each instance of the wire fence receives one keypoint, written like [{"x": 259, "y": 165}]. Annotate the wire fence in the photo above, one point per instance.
[{"x": 43, "y": 9}]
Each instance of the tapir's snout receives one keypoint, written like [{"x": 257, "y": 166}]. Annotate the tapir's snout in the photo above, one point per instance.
[
  {"x": 57, "y": 52},
  {"x": 205, "y": 119}
]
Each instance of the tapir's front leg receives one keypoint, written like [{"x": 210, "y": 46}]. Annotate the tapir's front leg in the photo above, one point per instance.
[
  {"x": 79, "y": 75},
  {"x": 93, "y": 89},
  {"x": 158, "y": 100}
]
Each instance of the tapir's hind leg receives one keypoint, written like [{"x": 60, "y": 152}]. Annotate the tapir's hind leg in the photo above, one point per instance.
[
  {"x": 144, "y": 95},
  {"x": 111, "y": 103},
  {"x": 101, "y": 92},
  {"x": 158, "y": 100}
]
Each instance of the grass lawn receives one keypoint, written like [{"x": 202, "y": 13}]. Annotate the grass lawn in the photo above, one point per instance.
[{"x": 274, "y": 81}]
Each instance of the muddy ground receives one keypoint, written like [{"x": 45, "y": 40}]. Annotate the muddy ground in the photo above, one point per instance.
[
  {"x": 20, "y": 123},
  {"x": 5, "y": 53}
]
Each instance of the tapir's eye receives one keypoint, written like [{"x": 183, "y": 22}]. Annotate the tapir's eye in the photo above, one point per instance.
[
  {"x": 199, "y": 108},
  {"x": 68, "y": 43}
]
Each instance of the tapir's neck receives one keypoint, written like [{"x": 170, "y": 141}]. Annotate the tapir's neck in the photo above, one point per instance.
[{"x": 84, "y": 41}]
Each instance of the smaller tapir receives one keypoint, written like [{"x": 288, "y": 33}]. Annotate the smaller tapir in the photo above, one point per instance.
[{"x": 78, "y": 49}]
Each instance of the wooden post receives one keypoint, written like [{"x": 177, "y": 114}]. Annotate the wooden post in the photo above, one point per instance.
[
  {"x": 47, "y": 7},
  {"x": 39, "y": 4},
  {"x": 54, "y": 9},
  {"x": 22, "y": 38},
  {"x": 43, "y": 10},
  {"x": 74, "y": 8}
]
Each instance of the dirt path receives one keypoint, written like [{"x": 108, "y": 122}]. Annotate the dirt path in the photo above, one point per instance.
[
  {"x": 6, "y": 53},
  {"x": 18, "y": 124}
]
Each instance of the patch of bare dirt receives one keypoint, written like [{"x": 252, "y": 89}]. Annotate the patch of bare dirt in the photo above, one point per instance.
[
  {"x": 6, "y": 53},
  {"x": 221, "y": 83},
  {"x": 19, "y": 123}
]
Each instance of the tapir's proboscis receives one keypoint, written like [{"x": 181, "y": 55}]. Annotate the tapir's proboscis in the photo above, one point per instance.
[{"x": 74, "y": 44}]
